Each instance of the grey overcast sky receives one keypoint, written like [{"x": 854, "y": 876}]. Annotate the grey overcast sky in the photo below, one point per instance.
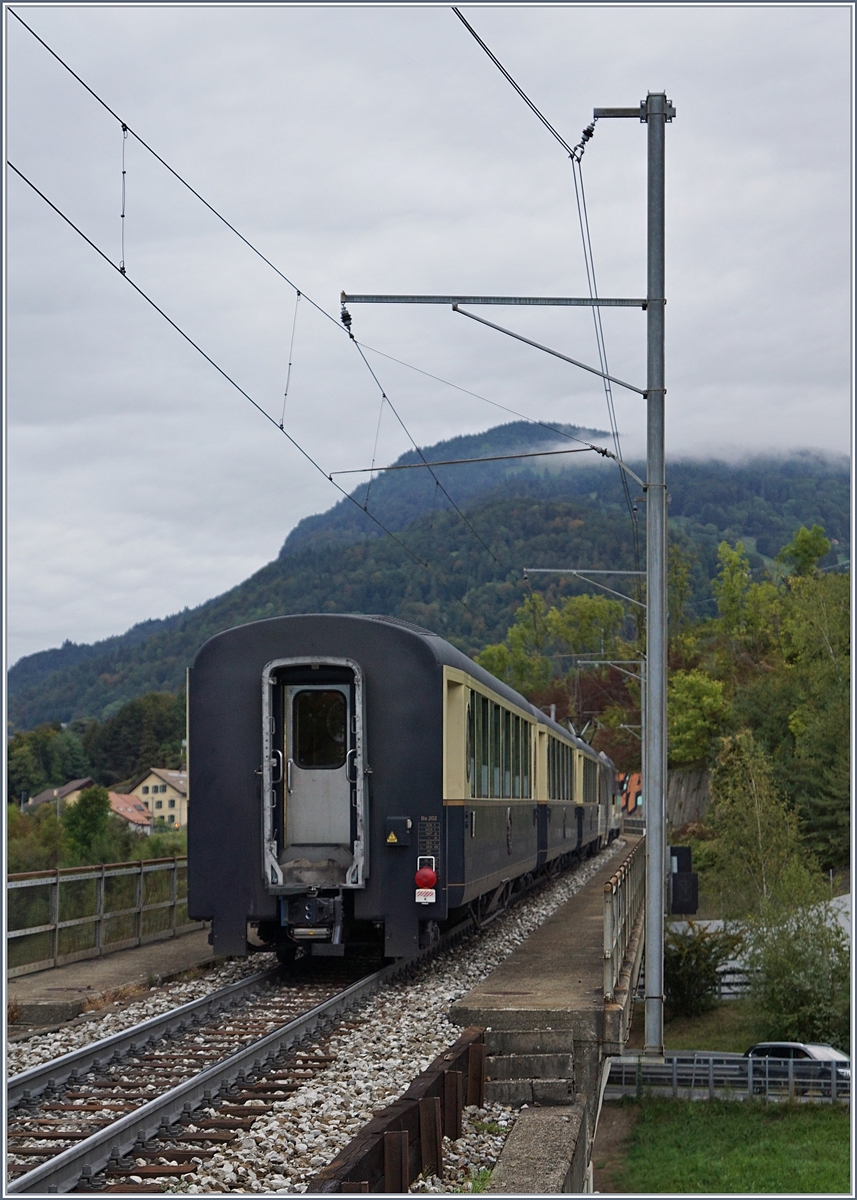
[{"x": 378, "y": 149}]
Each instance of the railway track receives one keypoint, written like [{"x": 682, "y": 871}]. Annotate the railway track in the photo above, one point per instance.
[
  {"x": 153, "y": 1102},
  {"x": 171, "y": 1088}
]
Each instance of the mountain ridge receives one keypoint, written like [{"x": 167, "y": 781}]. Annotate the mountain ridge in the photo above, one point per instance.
[{"x": 531, "y": 512}]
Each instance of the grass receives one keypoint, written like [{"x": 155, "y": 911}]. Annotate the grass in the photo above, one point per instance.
[
  {"x": 478, "y": 1182},
  {"x": 732, "y": 1025},
  {"x": 488, "y": 1127},
  {"x": 730, "y": 1146}
]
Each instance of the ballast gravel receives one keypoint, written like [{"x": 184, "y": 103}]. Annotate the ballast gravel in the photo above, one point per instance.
[
  {"x": 382, "y": 1046},
  {"x": 42, "y": 1047}
]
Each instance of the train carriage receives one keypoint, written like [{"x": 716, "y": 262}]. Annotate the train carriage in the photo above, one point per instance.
[{"x": 358, "y": 779}]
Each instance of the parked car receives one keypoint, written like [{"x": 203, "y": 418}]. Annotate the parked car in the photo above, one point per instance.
[{"x": 816, "y": 1060}]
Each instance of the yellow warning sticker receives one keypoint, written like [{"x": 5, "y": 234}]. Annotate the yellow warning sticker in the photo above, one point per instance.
[{"x": 392, "y": 837}]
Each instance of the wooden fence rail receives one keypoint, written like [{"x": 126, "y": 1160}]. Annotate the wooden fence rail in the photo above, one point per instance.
[
  {"x": 61, "y": 916},
  {"x": 406, "y": 1139}
]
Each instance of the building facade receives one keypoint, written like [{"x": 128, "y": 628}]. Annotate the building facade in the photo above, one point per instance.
[{"x": 164, "y": 793}]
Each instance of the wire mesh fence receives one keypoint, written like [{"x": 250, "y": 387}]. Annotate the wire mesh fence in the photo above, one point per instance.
[{"x": 56, "y": 917}]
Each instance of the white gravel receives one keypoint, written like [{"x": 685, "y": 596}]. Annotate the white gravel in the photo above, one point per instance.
[
  {"x": 42, "y": 1047},
  {"x": 394, "y": 1036}
]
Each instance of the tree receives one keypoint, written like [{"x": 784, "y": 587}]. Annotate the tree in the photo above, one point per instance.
[
  {"x": 691, "y": 958},
  {"x": 731, "y": 585},
  {"x": 47, "y": 756},
  {"x": 520, "y": 661},
  {"x": 681, "y": 561},
  {"x": 697, "y": 709},
  {"x": 86, "y": 824},
  {"x": 762, "y": 609},
  {"x": 760, "y": 863},
  {"x": 805, "y": 550},
  {"x": 526, "y": 673},
  {"x": 802, "y": 971},
  {"x": 145, "y": 732},
  {"x": 816, "y": 641},
  {"x": 586, "y": 625}
]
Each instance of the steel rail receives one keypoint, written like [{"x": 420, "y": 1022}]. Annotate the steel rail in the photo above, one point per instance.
[
  {"x": 93, "y": 1153},
  {"x": 63, "y": 1172},
  {"x": 55, "y": 1072}
]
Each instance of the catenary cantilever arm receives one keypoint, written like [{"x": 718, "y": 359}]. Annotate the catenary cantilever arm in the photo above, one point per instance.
[{"x": 547, "y": 350}]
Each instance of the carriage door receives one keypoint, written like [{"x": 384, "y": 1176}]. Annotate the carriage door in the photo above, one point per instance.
[{"x": 319, "y": 766}]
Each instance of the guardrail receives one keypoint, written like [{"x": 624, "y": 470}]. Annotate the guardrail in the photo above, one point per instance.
[
  {"x": 61, "y": 916},
  {"x": 697, "y": 1075},
  {"x": 623, "y": 898}
]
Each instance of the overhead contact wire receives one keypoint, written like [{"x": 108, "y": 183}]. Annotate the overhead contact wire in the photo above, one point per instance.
[
  {"x": 518, "y": 89},
  {"x": 425, "y": 461},
  {"x": 583, "y": 219},
  {"x": 122, "y": 213},
  {"x": 171, "y": 170},
  {"x": 291, "y": 350},
  {"x": 127, "y": 129},
  {"x": 476, "y": 395},
  {"x": 575, "y": 153},
  {"x": 230, "y": 380},
  {"x": 374, "y": 451}
]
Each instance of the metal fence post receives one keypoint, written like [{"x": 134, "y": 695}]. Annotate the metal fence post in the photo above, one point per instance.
[
  {"x": 139, "y": 913},
  {"x": 99, "y": 911},
  {"x": 55, "y": 917},
  {"x": 608, "y": 942},
  {"x": 47, "y": 921}
]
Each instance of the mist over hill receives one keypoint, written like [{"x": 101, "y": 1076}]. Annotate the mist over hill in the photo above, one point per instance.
[
  {"x": 562, "y": 510},
  {"x": 397, "y": 498}
]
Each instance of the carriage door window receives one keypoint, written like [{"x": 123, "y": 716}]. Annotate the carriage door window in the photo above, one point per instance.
[{"x": 318, "y": 754}]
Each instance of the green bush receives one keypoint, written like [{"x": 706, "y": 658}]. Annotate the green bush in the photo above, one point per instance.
[
  {"x": 691, "y": 959},
  {"x": 802, "y": 976}
]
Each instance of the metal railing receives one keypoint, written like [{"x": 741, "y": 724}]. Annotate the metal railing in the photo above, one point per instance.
[
  {"x": 699, "y": 1075},
  {"x": 623, "y": 900},
  {"x": 61, "y": 916}
]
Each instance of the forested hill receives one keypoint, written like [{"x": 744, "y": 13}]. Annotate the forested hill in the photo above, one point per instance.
[
  {"x": 397, "y": 498},
  {"x": 557, "y": 511}
]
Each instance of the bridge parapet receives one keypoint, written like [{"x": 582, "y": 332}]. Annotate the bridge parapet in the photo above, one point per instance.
[{"x": 553, "y": 986}]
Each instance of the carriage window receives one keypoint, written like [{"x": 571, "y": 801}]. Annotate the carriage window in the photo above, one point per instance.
[
  {"x": 507, "y": 754},
  {"x": 560, "y": 770},
  {"x": 516, "y": 756},
  {"x": 590, "y": 781},
  {"x": 320, "y": 721},
  {"x": 498, "y": 750},
  {"x": 483, "y": 738},
  {"x": 526, "y": 740},
  {"x": 496, "y": 726}
]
